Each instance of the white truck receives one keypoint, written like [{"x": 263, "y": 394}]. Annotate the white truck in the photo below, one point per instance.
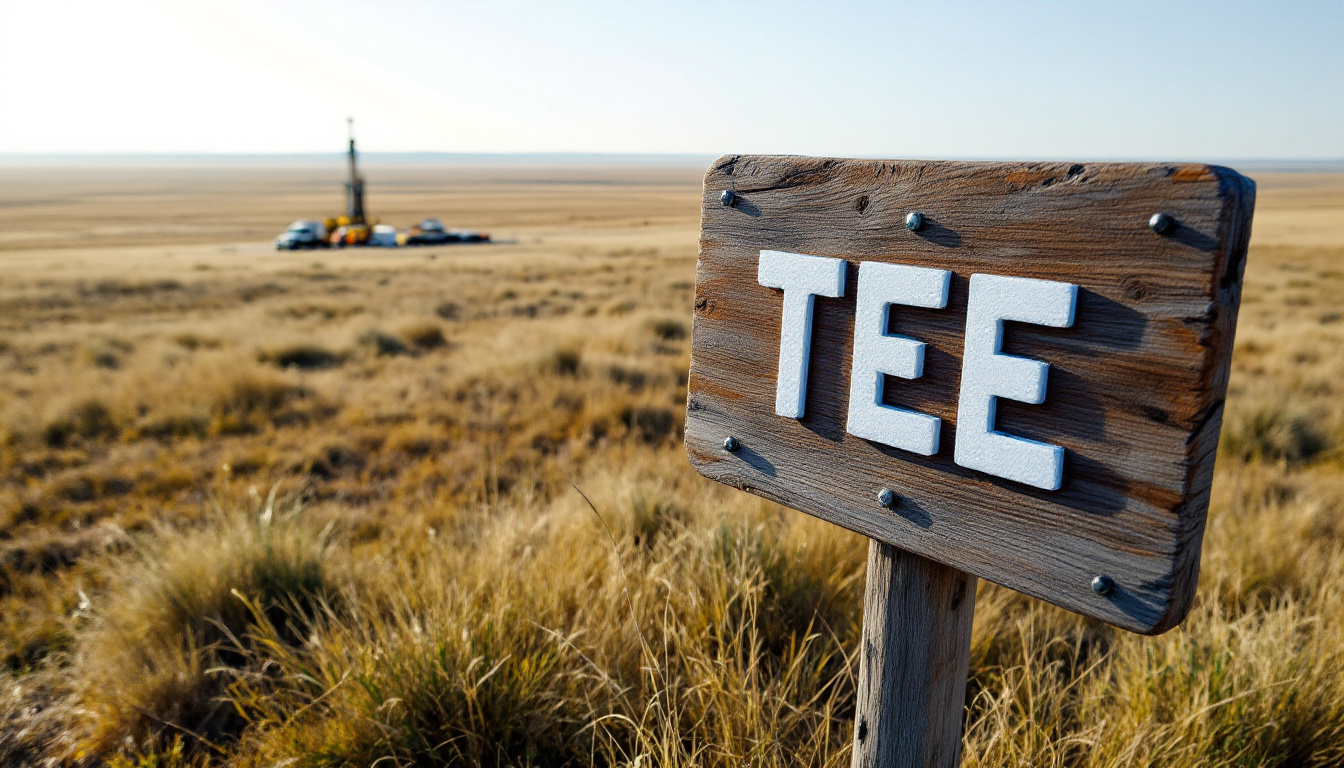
[{"x": 304, "y": 233}]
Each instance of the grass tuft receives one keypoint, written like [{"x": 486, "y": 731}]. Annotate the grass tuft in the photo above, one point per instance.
[
  {"x": 653, "y": 424},
  {"x": 162, "y": 644},
  {"x": 90, "y": 419},
  {"x": 563, "y": 362},
  {"x": 383, "y": 344},
  {"x": 1273, "y": 431},
  {"x": 423, "y": 335},
  {"x": 304, "y": 356},
  {"x": 194, "y": 341},
  {"x": 668, "y": 330},
  {"x": 249, "y": 403}
]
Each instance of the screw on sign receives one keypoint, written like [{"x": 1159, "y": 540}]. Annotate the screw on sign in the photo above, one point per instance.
[{"x": 1009, "y": 371}]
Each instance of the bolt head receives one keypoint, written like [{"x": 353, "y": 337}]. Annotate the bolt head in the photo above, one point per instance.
[
  {"x": 1103, "y": 585},
  {"x": 886, "y": 498},
  {"x": 728, "y": 198},
  {"x": 914, "y": 221},
  {"x": 1162, "y": 223},
  {"x": 730, "y": 444}
]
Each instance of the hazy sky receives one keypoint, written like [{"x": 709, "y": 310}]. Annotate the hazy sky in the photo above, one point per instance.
[{"x": 1158, "y": 80}]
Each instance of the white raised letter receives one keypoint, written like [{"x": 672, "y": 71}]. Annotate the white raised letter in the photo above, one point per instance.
[
  {"x": 876, "y": 353},
  {"x": 987, "y": 374},
  {"x": 801, "y": 277}
]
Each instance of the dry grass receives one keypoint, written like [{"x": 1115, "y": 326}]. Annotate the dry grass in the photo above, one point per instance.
[
  {"x": 268, "y": 509},
  {"x": 151, "y": 653}
]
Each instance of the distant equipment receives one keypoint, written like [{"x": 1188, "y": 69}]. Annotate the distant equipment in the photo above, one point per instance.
[
  {"x": 302, "y": 234},
  {"x": 354, "y": 188},
  {"x": 432, "y": 232},
  {"x": 354, "y": 228},
  {"x": 383, "y": 236}
]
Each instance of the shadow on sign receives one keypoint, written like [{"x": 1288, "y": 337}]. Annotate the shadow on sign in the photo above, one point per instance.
[
  {"x": 937, "y": 234},
  {"x": 746, "y": 207},
  {"x": 756, "y": 461}
]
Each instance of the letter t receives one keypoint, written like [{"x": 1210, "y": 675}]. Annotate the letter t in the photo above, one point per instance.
[{"x": 802, "y": 278}]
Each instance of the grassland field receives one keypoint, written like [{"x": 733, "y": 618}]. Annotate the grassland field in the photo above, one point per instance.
[{"x": 429, "y": 506}]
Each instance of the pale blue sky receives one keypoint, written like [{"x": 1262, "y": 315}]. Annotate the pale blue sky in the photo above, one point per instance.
[{"x": 1159, "y": 80}]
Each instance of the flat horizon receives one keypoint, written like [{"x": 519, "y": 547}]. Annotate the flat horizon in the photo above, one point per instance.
[{"x": 1324, "y": 165}]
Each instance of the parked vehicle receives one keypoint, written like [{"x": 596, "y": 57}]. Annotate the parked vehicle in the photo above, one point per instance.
[
  {"x": 432, "y": 232},
  {"x": 467, "y": 236},
  {"x": 383, "y": 236},
  {"x": 302, "y": 234}
]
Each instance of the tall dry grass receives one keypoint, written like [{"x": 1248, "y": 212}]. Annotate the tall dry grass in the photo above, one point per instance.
[
  {"x": 485, "y": 546},
  {"x": 716, "y": 632}
]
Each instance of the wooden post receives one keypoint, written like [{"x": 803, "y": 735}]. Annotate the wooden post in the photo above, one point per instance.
[{"x": 913, "y": 661}]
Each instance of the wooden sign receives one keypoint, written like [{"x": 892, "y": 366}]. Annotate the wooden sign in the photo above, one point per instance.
[{"x": 1013, "y": 369}]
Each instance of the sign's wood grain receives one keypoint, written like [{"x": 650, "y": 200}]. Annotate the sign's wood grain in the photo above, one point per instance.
[{"x": 1135, "y": 388}]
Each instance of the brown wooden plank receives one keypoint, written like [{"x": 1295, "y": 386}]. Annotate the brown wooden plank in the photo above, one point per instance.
[
  {"x": 1136, "y": 385},
  {"x": 912, "y": 662}
]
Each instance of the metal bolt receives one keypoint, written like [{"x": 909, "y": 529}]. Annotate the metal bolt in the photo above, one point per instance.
[
  {"x": 728, "y": 198},
  {"x": 730, "y": 444},
  {"x": 1103, "y": 585},
  {"x": 914, "y": 221},
  {"x": 1162, "y": 223},
  {"x": 886, "y": 498}
]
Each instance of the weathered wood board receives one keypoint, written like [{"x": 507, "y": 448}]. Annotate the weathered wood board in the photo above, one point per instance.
[{"x": 1135, "y": 385}]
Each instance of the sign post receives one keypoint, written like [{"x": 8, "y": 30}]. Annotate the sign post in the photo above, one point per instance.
[
  {"x": 912, "y": 662},
  {"x": 1009, "y": 371}
]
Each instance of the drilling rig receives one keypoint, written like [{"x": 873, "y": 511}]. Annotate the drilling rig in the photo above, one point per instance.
[{"x": 353, "y": 228}]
